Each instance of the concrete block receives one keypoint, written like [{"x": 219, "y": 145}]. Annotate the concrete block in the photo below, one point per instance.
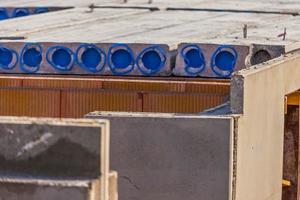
[
  {"x": 216, "y": 60},
  {"x": 170, "y": 157}
]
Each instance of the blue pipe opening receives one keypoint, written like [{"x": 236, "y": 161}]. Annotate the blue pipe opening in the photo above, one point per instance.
[
  {"x": 61, "y": 58},
  {"x": 3, "y": 14},
  {"x": 41, "y": 10},
  {"x": 152, "y": 60},
  {"x": 20, "y": 12},
  {"x": 6, "y": 57},
  {"x": 225, "y": 60},
  {"x": 121, "y": 58},
  {"x": 194, "y": 59},
  {"x": 91, "y": 58},
  {"x": 32, "y": 57}
]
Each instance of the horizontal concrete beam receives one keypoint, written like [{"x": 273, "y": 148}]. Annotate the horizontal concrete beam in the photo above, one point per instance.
[
  {"x": 216, "y": 60},
  {"x": 81, "y": 58},
  {"x": 205, "y": 60}
]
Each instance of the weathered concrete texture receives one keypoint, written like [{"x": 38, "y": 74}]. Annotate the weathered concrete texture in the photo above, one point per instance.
[
  {"x": 53, "y": 148},
  {"x": 260, "y": 130},
  {"x": 54, "y": 159},
  {"x": 169, "y": 157},
  {"x": 25, "y": 189},
  {"x": 18, "y": 188}
]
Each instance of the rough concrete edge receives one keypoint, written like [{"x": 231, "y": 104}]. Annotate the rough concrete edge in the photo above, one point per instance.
[
  {"x": 49, "y": 182},
  {"x": 53, "y": 121},
  {"x": 274, "y": 51},
  {"x": 237, "y": 80},
  {"x": 269, "y": 64},
  {"x": 237, "y": 94},
  {"x": 234, "y": 140},
  {"x": 97, "y": 114},
  {"x": 105, "y": 160}
]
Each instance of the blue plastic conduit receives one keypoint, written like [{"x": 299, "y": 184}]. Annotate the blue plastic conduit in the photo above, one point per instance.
[
  {"x": 8, "y": 58},
  {"x": 31, "y": 57},
  {"x": 223, "y": 61},
  {"x": 193, "y": 59},
  {"x": 20, "y": 12},
  {"x": 3, "y": 14},
  {"x": 90, "y": 57},
  {"x": 151, "y": 60},
  {"x": 120, "y": 59},
  {"x": 41, "y": 10},
  {"x": 60, "y": 58}
]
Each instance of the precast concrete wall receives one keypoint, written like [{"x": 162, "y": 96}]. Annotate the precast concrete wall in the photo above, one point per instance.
[
  {"x": 169, "y": 157},
  {"x": 46, "y": 159},
  {"x": 258, "y": 94}
]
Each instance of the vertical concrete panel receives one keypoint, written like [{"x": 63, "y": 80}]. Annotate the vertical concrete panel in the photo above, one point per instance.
[
  {"x": 164, "y": 157},
  {"x": 260, "y": 130}
]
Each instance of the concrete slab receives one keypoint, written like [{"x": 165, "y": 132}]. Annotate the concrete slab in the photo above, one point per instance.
[
  {"x": 171, "y": 157},
  {"x": 55, "y": 149}
]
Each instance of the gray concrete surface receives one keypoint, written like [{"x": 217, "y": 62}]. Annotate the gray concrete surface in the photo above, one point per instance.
[
  {"x": 169, "y": 157},
  {"x": 49, "y": 149},
  {"x": 58, "y": 159}
]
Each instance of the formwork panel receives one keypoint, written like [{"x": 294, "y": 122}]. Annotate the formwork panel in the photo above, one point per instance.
[
  {"x": 78, "y": 103},
  {"x": 29, "y": 102},
  {"x": 182, "y": 103}
]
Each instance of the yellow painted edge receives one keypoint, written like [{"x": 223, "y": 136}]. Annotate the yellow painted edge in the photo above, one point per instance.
[{"x": 286, "y": 183}]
